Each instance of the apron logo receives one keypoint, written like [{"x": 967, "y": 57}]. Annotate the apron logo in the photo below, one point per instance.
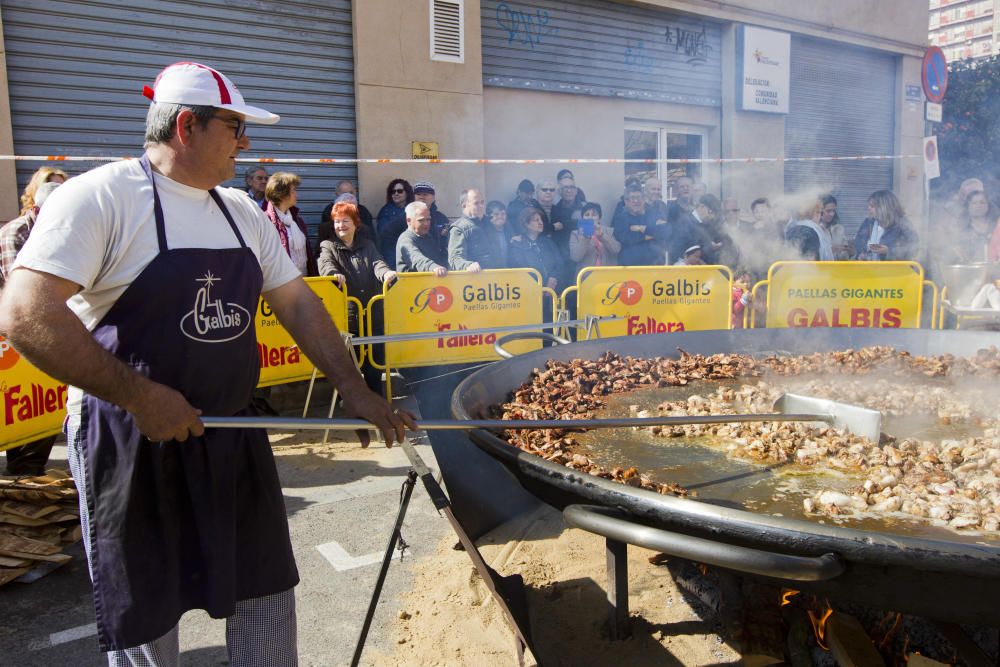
[{"x": 211, "y": 321}]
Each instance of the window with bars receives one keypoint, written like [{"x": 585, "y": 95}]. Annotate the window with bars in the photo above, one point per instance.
[{"x": 448, "y": 30}]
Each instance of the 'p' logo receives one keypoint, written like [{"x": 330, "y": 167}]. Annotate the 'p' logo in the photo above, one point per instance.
[
  {"x": 438, "y": 299},
  {"x": 628, "y": 292},
  {"x": 8, "y": 355}
]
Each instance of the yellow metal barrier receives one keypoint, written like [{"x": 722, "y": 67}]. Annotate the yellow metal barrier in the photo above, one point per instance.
[
  {"x": 935, "y": 322},
  {"x": 656, "y": 299},
  {"x": 564, "y": 331},
  {"x": 425, "y": 303},
  {"x": 845, "y": 294},
  {"x": 34, "y": 404},
  {"x": 281, "y": 361},
  {"x": 753, "y": 300},
  {"x": 362, "y": 330}
]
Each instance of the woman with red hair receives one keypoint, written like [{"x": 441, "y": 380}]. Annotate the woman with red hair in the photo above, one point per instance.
[{"x": 355, "y": 262}]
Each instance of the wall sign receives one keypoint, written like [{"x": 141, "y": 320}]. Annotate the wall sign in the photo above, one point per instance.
[
  {"x": 425, "y": 150},
  {"x": 763, "y": 68}
]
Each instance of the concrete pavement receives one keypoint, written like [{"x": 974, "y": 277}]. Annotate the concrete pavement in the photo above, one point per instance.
[{"x": 342, "y": 503}]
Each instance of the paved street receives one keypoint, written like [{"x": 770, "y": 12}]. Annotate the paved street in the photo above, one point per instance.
[{"x": 342, "y": 502}]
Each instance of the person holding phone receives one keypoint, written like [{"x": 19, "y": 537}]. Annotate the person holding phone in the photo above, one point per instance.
[
  {"x": 885, "y": 234},
  {"x": 591, "y": 243}
]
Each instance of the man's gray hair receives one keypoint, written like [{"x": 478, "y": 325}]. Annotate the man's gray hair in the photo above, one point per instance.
[
  {"x": 43, "y": 192},
  {"x": 411, "y": 209},
  {"x": 464, "y": 197},
  {"x": 248, "y": 174},
  {"x": 162, "y": 117}
]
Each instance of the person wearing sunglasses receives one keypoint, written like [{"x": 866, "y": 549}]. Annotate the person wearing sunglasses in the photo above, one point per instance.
[
  {"x": 546, "y": 200},
  {"x": 391, "y": 219},
  {"x": 166, "y": 270}
]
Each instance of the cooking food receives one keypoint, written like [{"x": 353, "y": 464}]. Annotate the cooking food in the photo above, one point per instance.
[{"x": 949, "y": 480}]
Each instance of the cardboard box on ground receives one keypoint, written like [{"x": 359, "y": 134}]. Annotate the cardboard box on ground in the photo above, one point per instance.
[{"x": 39, "y": 517}]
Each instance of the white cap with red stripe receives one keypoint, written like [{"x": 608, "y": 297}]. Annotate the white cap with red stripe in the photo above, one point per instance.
[{"x": 195, "y": 84}]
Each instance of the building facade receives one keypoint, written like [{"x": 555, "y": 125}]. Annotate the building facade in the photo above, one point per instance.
[
  {"x": 965, "y": 28},
  {"x": 675, "y": 81}
]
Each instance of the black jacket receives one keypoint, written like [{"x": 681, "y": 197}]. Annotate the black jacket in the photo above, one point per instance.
[
  {"x": 540, "y": 254},
  {"x": 361, "y": 265},
  {"x": 324, "y": 231}
]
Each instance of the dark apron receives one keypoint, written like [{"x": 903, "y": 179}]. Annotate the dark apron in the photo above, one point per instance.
[{"x": 199, "y": 524}]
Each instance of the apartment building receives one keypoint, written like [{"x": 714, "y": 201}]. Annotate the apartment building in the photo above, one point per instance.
[{"x": 965, "y": 28}]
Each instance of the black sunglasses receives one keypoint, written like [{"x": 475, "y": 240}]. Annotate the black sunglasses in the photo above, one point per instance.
[
  {"x": 239, "y": 129},
  {"x": 398, "y": 191}
]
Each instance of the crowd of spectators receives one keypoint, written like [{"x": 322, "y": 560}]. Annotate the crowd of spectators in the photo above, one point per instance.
[{"x": 553, "y": 228}]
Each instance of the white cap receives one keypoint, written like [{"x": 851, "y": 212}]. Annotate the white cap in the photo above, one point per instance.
[{"x": 195, "y": 84}]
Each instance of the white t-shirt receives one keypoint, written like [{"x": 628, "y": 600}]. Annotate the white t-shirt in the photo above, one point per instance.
[{"x": 98, "y": 231}]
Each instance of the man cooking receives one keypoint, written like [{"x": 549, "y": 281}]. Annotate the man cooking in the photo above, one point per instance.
[{"x": 138, "y": 288}]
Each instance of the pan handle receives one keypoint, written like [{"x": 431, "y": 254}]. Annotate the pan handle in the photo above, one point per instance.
[
  {"x": 615, "y": 525},
  {"x": 525, "y": 335}
]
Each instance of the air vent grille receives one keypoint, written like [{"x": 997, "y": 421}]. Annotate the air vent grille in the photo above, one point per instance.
[{"x": 447, "y": 30}]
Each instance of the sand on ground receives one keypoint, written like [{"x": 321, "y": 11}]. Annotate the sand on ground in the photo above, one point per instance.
[{"x": 449, "y": 617}]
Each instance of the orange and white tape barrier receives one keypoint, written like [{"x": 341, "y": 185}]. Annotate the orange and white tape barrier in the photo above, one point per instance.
[{"x": 358, "y": 160}]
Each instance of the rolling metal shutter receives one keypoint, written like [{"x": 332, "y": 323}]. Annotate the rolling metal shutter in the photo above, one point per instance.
[
  {"x": 76, "y": 71},
  {"x": 842, "y": 103},
  {"x": 598, "y": 47}
]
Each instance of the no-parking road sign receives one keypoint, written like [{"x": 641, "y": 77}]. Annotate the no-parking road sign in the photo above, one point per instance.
[{"x": 934, "y": 74}]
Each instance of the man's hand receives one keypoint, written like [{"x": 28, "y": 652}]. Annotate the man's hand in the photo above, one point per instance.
[
  {"x": 339, "y": 278},
  {"x": 440, "y": 271},
  {"x": 367, "y": 405},
  {"x": 162, "y": 413},
  {"x": 637, "y": 228},
  {"x": 390, "y": 278},
  {"x": 552, "y": 282},
  {"x": 474, "y": 268}
]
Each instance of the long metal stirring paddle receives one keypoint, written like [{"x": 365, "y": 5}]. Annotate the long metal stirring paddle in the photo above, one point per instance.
[
  {"x": 856, "y": 419},
  {"x": 293, "y": 423}
]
